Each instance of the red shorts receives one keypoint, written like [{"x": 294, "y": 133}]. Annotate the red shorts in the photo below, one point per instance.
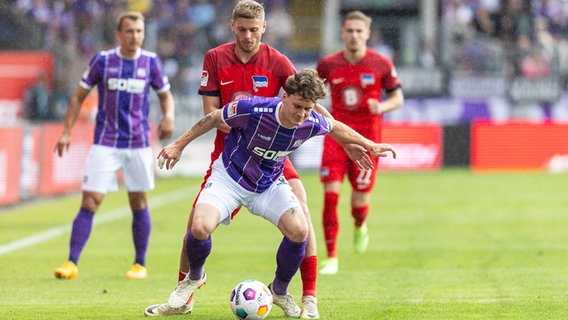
[{"x": 336, "y": 164}]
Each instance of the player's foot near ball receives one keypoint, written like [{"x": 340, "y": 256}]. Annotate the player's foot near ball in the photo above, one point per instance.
[
  {"x": 184, "y": 290},
  {"x": 286, "y": 302},
  {"x": 329, "y": 266},
  {"x": 165, "y": 310}
]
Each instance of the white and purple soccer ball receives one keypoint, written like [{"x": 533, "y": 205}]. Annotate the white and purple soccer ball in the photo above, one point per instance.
[{"x": 251, "y": 300}]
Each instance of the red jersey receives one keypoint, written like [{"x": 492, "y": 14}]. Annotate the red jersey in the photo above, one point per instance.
[
  {"x": 225, "y": 76},
  {"x": 352, "y": 84}
]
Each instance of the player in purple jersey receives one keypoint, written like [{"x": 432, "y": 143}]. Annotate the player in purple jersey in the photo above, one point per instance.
[
  {"x": 249, "y": 173},
  {"x": 123, "y": 77}
]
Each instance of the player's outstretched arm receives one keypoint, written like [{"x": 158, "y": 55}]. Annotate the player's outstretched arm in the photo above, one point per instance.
[
  {"x": 171, "y": 154},
  {"x": 345, "y": 135}
]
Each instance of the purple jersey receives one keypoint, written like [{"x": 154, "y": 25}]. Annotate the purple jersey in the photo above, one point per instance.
[
  {"x": 124, "y": 99},
  {"x": 257, "y": 145}
]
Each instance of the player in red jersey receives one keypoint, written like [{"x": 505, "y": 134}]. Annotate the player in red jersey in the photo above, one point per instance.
[
  {"x": 238, "y": 69},
  {"x": 357, "y": 77}
]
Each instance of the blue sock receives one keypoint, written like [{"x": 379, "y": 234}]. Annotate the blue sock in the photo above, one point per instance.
[
  {"x": 141, "y": 227},
  {"x": 197, "y": 252},
  {"x": 288, "y": 259},
  {"x": 80, "y": 232}
]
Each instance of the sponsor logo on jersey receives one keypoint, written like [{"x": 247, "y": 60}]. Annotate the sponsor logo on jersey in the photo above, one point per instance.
[
  {"x": 367, "y": 79},
  {"x": 263, "y": 137},
  {"x": 259, "y": 82},
  {"x": 298, "y": 143},
  {"x": 204, "y": 78},
  {"x": 224, "y": 83},
  {"x": 141, "y": 72},
  {"x": 232, "y": 109},
  {"x": 128, "y": 85},
  {"x": 337, "y": 80},
  {"x": 269, "y": 154}
]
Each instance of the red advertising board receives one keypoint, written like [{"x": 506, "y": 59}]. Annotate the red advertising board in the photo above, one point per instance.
[
  {"x": 63, "y": 174},
  {"x": 419, "y": 146},
  {"x": 20, "y": 69},
  {"x": 516, "y": 145},
  {"x": 10, "y": 164}
]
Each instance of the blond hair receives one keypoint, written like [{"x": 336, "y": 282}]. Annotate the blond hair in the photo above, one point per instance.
[
  {"x": 358, "y": 15},
  {"x": 248, "y": 9}
]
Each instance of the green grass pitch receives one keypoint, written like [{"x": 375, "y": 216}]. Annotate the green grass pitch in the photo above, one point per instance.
[{"x": 450, "y": 244}]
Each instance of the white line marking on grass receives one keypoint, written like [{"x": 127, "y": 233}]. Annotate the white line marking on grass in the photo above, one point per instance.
[{"x": 99, "y": 219}]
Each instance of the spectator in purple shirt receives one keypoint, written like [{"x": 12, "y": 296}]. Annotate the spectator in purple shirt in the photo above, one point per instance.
[
  {"x": 249, "y": 173},
  {"x": 123, "y": 77}
]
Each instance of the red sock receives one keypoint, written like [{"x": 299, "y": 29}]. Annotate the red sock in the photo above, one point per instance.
[
  {"x": 360, "y": 215},
  {"x": 309, "y": 271},
  {"x": 330, "y": 223},
  {"x": 181, "y": 275}
]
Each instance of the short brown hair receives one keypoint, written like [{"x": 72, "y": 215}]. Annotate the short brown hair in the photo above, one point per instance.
[
  {"x": 306, "y": 84},
  {"x": 130, "y": 15},
  {"x": 248, "y": 9},
  {"x": 358, "y": 15}
]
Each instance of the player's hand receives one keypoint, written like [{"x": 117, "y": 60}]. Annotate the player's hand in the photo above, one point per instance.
[
  {"x": 169, "y": 155},
  {"x": 374, "y": 106},
  {"x": 382, "y": 150},
  {"x": 166, "y": 127},
  {"x": 62, "y": 144},
  {"x": 359, "y": 155}
]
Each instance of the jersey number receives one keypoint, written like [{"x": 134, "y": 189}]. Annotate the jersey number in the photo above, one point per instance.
[{"x": 351, "y": 97}]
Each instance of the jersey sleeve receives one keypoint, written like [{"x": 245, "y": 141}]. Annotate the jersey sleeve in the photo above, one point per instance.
[
  {"x": 159, "y": 80},
  {"x": 236, "y": 113},
  {"x": 390, "y": 80},
  {"x": 208, "y": 84},
  {"x": 92, "y": 75}
]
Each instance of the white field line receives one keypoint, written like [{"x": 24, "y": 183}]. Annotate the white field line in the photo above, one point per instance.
[{"x": 118, "y": 213}]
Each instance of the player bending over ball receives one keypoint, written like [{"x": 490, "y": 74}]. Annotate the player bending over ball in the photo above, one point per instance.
[{"x": 264, "y": 131}]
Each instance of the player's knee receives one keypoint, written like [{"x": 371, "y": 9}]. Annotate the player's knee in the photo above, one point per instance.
[{"x": 298, "y": 233}]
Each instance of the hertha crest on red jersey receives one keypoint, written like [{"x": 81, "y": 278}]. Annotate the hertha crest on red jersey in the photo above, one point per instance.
[{"x": 259, "y": 82}]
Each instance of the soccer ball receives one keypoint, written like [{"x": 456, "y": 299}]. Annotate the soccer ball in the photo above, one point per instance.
[{"x": 251, "y": 300}]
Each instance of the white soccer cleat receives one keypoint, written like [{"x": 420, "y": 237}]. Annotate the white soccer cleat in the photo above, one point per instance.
[
  {"x": 287, "y": 303},
  {"x": 184, "y": 290},
  {"x": 165, "y": 310},
  {"x": 309, "y": 308}
]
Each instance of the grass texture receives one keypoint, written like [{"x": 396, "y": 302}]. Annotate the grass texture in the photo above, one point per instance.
[{"x": 450, "y": 244}]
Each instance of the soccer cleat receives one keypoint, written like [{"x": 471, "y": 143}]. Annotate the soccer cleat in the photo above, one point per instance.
[
  {"x": 137, "y": 271},
  {"x": 287, "y": 303},
  {"x": 68, "y": 270},
  {"x": 329, "y": 266},
  {"x": 361, "y": 239},
  {"x": 309, "y": 308},
  {"x": 184, "y": 290},
  {"x": 165, "y": 310}
]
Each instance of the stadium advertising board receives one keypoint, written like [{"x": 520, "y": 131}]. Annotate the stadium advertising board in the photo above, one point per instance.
[
  {"x": 63, "y": 174},
  {"x": 10, "y": 164},
  {"x": 419, "y": 146},
  {"x": 517, "y": 145}
]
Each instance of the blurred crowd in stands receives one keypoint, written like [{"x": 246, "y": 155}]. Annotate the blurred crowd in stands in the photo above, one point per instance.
[{"x": 507, "y": 38}]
